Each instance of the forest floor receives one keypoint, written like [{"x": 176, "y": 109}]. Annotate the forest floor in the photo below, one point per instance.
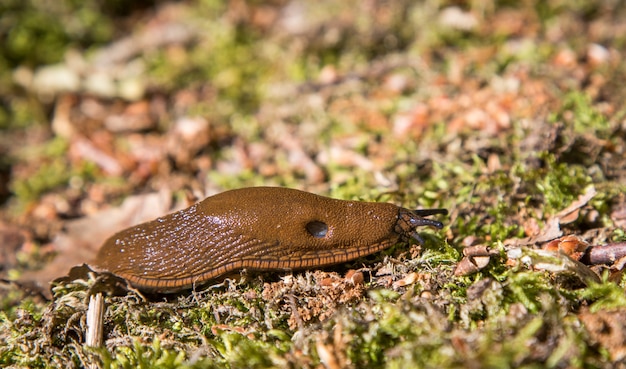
[{"x": 512, "y": 117}]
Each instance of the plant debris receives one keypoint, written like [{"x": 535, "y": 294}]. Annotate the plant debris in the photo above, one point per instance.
[{"x": 509, "y": 115}]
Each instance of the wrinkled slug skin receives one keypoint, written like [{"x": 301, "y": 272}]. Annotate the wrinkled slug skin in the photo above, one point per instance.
[{"x": 261, "y": 228}]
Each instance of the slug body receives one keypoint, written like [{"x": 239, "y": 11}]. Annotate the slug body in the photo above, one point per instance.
[{"x": 259, "y": 228}]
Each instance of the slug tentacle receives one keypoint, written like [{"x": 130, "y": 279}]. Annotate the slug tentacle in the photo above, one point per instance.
[
  {"x": 427, "y": 212},
  {"x": 259, "y": 228}
]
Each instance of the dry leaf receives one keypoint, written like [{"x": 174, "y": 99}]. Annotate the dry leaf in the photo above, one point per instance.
[
  {"x": 557, "y": 263},
  {"x": 608, "y": 329},
  {"x": 572, "y": 246},
  {"x": 570, "y": 213},
  {"x": 407, "y": 280}
]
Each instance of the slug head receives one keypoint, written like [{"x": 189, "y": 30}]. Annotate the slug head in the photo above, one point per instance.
[{"x": 408, "y": 220}]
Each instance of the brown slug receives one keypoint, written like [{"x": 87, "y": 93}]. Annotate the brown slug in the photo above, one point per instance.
[{"x": 258, "y": 228}]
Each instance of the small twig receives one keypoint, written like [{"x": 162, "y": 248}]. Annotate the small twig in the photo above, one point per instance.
[
  {"x": 95, "y": 315},
  {"x": 605, "y": 254}
]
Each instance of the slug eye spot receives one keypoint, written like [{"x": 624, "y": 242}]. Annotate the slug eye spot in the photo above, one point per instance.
[{"x": 317, "y": 229}]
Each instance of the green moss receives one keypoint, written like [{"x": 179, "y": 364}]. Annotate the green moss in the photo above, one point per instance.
[
  {"x": 527, "y": 288},
  {"x": 36, "y": 33},
  {"x": 238, "y": 350},
  {"x": 17, "y": 324},
  {"x": 619, "y": 235},
  {"x": 230, "y": 61},
  {"x": 144, "y": 357},
  {"x": 579, "y": 111},
  {"x": 20, "y": 111},
  {"x": 54, "y": 171},
  {"x": 501, "y": 227},
  {"x": 558, "y": 184},
  {"x": 605, "y": 295},
  {"x": 406, "y": 332}
]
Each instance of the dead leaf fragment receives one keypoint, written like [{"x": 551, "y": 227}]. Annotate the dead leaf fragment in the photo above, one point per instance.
[
  {"x": 136, "y": 117},
  {"x": 12, "y": 240},
  {"x": 407, "y": 280},
  {"x": 186, "y": 138},
  {"x": 216, "y": 329},
  {"x": 572, "y": 246},
  {"x": 551, "y": 230},
  {"x": 85, "y": 149},
  {"x": 479, "y": 250},
  {"x": 355, "y": 277},
  {"x": 471, "y": 265},
  {"x": 558, "y": 263},
  {"x": 326, "y": 354},
  {"x": 570, "y": 213},
  {"x": 608, "y": 329},
  {"x": 618, "y": 213},
  {"x": 475, "y": 259},
  {"x": 531, "y": 227}
]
